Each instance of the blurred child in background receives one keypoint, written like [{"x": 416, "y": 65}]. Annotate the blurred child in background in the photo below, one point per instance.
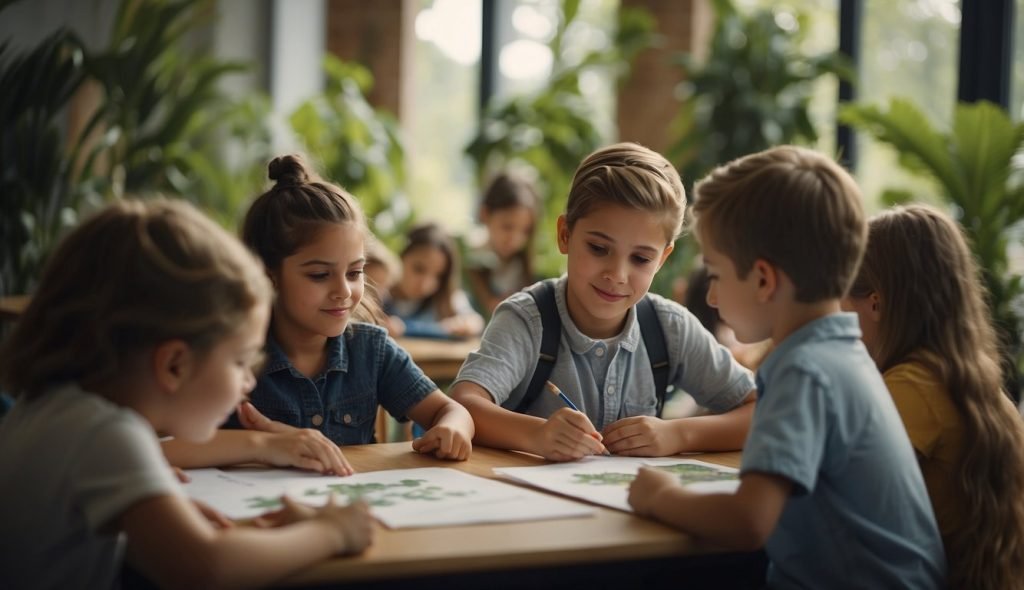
[
  {"x": 427, "y": 300},
  {"x": 149, "y": 318},
  {"x": 504, "y": 263},
  {"x": 382, "y": 269},
  {"x": 926, "y": 324}
]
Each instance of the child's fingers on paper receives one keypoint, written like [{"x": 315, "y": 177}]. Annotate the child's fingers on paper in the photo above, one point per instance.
[
  {"x": 332, "y": 456},
  {"x": 309, "y": 463},
  {"x": 427, "y": 443},
  {"x": 180, "y": 474}
]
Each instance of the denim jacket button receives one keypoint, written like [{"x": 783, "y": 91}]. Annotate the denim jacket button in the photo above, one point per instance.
[
  {"x": 318, "y": 420},
  {"x": 347, "y": 419}
]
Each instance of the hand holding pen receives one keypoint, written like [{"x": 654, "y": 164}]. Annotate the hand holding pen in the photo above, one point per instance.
[{"x": 578, "y": 422}]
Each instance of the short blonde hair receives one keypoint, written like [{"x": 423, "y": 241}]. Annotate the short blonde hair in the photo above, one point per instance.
[
  {"x": 134, "y": 275},
  {"x": 792, "y": 207},
  {"x": 629, "y": 175}
]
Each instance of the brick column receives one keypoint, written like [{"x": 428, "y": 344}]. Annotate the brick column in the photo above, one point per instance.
[
  {"x": 647, "y": 104},
  {"x": 370, "y": 33}
]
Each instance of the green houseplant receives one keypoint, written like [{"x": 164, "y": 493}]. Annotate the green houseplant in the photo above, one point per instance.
[
  {"x": 163, "y": 117},
  {"x": 357, "y": 146},
  {"x": 159, "y": 126},
  {"x": 751, "y": 92},
  {"x": 37, "y": 199},
  {"x": 975, "y": 168},
  {"x": 553, "y": 130}
]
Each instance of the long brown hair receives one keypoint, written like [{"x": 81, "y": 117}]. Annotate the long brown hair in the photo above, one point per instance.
[
  {"x": 287, "y": 217},
  {"x": 933, "y": 311},
  {"x": 135, "y": 274}
]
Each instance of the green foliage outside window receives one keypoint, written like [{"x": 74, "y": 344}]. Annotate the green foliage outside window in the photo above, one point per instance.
[
  {"x": 974, "y": 166},
  {"x": 160, "y": 126},
  {"x": 752, "y": 92},
  {"x": 553, "y": 130},
  {"x": 357, "y": 146}
]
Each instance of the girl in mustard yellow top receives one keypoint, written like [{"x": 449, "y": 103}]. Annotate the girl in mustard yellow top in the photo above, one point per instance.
[{"x": 926, "y": 324}]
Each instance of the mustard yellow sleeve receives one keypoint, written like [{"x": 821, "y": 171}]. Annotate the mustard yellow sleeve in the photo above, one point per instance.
[{"x": 910, "y": 391}]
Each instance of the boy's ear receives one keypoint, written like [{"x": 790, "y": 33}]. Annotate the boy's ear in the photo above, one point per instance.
[
  {"x": 172, "y": 364},
  {"x": 767, "y": 277},
  {"x": 563, "y": 235},
  {"x": 664, "y": 255}
]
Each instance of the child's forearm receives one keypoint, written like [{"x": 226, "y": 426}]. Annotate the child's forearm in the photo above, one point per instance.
[
  {"x": 722, "y": 519},
  {"x": 236, "y": 557},
  {"x": 715, "y": 432},
  {"x": 226, "y": 448},
  {"x": 500, "y": 429}
]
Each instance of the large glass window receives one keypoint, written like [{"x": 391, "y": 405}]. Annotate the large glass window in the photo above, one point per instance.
[
  {"x": 1017, "y": 79},
  {"x": 525, "y": 29},
  {"x": 443, "y": 111},
  {"x": 909, "y": 49}
]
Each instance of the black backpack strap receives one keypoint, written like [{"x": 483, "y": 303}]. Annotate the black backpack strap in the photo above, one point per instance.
[
  {"x": 654, "y": 341},
  {"x": 543, "y": 294}
]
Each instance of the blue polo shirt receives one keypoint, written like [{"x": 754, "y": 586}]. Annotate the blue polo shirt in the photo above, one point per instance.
[
  {"x": 859, "y": 515},
  {"x": 365, "y": 368}
]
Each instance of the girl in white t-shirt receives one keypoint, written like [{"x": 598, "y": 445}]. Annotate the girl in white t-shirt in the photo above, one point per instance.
[{"x": 148, "y": 318}]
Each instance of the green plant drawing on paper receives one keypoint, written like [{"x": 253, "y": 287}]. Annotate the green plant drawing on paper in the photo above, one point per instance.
[
  {"x": 690, "y": 473},
  {"x": 390, "y": 494},
  {"x": 263, "y": 503},
  {"x": 604, "y": 479},
  {"x": 686, "y": 472}
]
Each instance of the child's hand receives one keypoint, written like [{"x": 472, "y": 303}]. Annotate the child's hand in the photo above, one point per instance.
[
  {"x": 213, "y": 515},
  {"x": 641, "y": 436},
  {"x": 305, "y": 448},
  {"x": 353, "y": 522},
  {"x": 445, "y": 442},
  {"x": 459, "y": 326},
  {"x": 287, "y": 446},
  {"x": 568, "y": 435},
  {"x": 180, "y": 474},
  {"x": 646, "y": 490},
  {"x": 395, "y": 326}
]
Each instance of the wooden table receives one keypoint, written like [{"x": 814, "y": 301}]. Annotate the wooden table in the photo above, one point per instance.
[
  {"x": 11, "y": 307},
  {"x": 439, "y": 359},
  {"x": 610, "y": 549}
]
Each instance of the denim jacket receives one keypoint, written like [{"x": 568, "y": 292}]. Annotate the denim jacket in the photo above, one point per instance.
[{"x": 364, "y": 368}]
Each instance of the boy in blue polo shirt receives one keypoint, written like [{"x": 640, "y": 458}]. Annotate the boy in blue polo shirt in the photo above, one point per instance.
[{"x": 829, "y": 483}]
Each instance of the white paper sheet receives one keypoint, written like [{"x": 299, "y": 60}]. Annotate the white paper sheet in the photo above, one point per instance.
[
  {"x": 605, "y": 480},
  {"x": 400, "y": 498}
]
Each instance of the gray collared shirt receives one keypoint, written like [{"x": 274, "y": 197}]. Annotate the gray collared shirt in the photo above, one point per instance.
[{"x": 606, "y": 379}]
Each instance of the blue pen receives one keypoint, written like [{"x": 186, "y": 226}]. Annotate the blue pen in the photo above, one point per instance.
[{"x": 555, "y": 390}]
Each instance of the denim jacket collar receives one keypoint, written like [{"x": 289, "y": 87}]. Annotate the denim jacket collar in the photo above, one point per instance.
[{"x": 277, "y": 360}]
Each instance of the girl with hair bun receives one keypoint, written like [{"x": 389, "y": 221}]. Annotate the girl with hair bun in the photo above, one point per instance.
[{"x": 327, "y": 366}]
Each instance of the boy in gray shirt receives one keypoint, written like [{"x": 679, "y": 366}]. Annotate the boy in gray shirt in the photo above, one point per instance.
[{"x": 624, "y": 212}]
